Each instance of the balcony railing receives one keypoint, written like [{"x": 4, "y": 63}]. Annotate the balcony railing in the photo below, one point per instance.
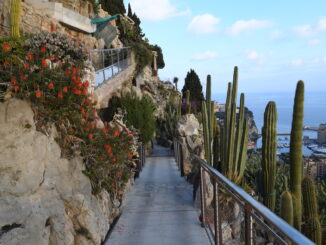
[
  {"x": 256, "y": 223},
  {"x": 109, "y": 62}
]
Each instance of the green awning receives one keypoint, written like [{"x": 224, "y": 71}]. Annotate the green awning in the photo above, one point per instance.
[{"x": 104, "y": 19}]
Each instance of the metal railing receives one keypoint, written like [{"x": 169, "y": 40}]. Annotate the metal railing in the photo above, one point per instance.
[
  {"x": 258, "y": 224},
  {"x": 140, "y": 162},
  {"x": 109, "y": 62}
]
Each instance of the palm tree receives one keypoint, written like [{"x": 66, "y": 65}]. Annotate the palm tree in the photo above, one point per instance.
[{"x": 175, "y": 81}]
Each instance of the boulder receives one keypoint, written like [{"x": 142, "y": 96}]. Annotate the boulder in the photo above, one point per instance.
[{"x": 45, "y": 199}]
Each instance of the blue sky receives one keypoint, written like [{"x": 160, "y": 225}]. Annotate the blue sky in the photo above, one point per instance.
[{"x": 274, "y": 43}]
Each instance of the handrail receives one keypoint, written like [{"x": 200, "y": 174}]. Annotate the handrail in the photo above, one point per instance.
[
  {"x": 252, "y": 208},
  {"x": 141, "y": 160}
]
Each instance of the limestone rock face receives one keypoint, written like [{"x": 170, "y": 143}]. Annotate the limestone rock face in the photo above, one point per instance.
[
  {"x": 45, "y": 199},
  {"x": 188, "y": 125}
]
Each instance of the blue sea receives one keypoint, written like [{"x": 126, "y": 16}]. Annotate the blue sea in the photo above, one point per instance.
[{"x": 314, "y": 111}]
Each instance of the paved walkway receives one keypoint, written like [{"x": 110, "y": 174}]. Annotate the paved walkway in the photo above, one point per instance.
[{"x": 159, "y": 209}]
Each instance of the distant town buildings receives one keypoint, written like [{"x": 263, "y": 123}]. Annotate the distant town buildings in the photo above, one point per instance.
[
  {"x": 321, "y": 138},
  {"x": 315, "y": 168}
]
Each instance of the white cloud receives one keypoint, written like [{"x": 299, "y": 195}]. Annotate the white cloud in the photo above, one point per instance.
[
  {"x": 297, "y": 62},
  {"x": 252, "y": 55},
  {"x": 247, "y": 25},
  {"x": 203, "y": 24},
  {"x": 259, "y": 58},
  {"x": 276, "y": 34},
  {"x": 314, "y": 42},
  {"x": 311, "y": 30},
  {"x": 206, "y": 55},
  {"x": 155, "y": 10}
]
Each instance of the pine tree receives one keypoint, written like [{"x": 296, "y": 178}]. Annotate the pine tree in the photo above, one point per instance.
[
  {"x": 113, "y": 6},
  {"x": 129, "y": 10},
  {"x": 192, "y": 83}
]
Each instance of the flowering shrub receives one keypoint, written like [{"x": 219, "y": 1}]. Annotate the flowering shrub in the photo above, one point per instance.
[{"x": 47, "y": 76}]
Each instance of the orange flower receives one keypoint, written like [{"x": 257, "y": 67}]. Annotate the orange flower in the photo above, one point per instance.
[
  {"x": 38, "y": 94},
  {"x": 86, "y": 84},
  {"x": 130, "y": 155},
  {"x": 16, "y": 88},
  {"x": 76, "y": 91},
  {"x": 116, "y": 133},
  {"x": 13, "y": 80},
  {"x": 60, "y": 95},
  {"x": 118, "y": 175},
  {"x": 5, "y": 63},
  {"x": 44, "y": 64},
  {"x": 43, "y": 49},
  {"x": 90, "y": 136},
  {"x": 6, "y": 47},
  {"x": 30, "y": 56},
  {"x": 26, "y": 65},
  {"x": 113, "y": 184},
  {"x": 108, "y": 147},
  {"x": 51, "y": 86},
  {"x": 114, "y": 160},
  {"x": 52, "y": 28},
  {"x": 65, "y": 89}
]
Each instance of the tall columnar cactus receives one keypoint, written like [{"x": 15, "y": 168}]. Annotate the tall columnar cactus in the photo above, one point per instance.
[
  {"x": 188, "y": 105},
  {"x": 286, "y": 210},
  {"x": 269, "y": 149},
  {"x": 312, "y": 227},
  {"x": 235, "y": 134},
  {"x": 296, "y": 154},
  {"x": 15, "y": 18}
]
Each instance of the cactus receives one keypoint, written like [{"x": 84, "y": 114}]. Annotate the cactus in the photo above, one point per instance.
[
  {"x": 15, "y": 18},
  {"x": 286, "y": 210},
  {"x": 269, "y": 149},
  {"x": 188, "y": 105},
  {"x": 296, "y": 154},
  {"x": 234, "y": 135},
  {"x": 312, "y": 227}
]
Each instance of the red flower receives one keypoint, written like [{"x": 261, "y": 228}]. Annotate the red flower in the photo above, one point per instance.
[
  {"x": 90, "y": 136},
  {"x": 104, "y": 130},
  {"x": 13, "y": 80},
  {"x": 26, "y": 65},
  {"x": 110, "y": 154},
  {"x": 118, "y": 175},
  {"x": 79, "y": 85},
  {"x": 30, "y": 57},
  {"x": 76, "y": 91},
  {"x": 6, "y": 47},
  {"x": 114, "y": 160},
  {"x": 51, "y": 86},
  {"x": 67, "y": 73},
  {"x": 84, "y": 92},
  {"x": 16, "y": 88},
  {"x": 108, "y": 147},
  {"x": 86, "y": 84},
  {"x": 113, "y": 184},
  {"x": 51, "y": 57},
  {"x": 44, "y": 64},
  {"x": 116, "y": 133},
  {"x": 65, "y": 89},
  {"x": 38, "y": 94},
  {"x": 5, "y": 63},
  {"x": 129, "y": 133},
  {"x": 130, "y": 155},
  {"x": 43, "y": 49},
  {"x": 82, "y": 122},
  {"x": 74, "y": 70},
  {"x": 60, "y": 95},
  {"x": 82, "y": 110}
]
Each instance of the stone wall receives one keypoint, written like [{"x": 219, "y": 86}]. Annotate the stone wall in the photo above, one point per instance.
[
  {"x": 45, "y": 199},
  {"x": 82, "y": 7},
  {"x": 34, "y": 21}
]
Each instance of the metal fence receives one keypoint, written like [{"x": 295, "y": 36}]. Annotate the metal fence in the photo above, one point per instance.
[
  {"x": 140, "y": 163},
  {"x": 225, "y": 206},
  {"x": 109, "y": 62}
]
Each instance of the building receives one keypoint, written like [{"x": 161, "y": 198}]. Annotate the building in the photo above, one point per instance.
[
  {"x": 321, "y": 169},
  {"x": 321, "y": 138},
  {"x": 310, "y": 169}
]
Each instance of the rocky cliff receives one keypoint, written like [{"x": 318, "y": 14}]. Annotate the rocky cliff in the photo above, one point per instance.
[{"x": 45, "y": 199}]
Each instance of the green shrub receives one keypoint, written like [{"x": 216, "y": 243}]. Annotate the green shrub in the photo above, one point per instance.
[{"x": 140, "y": 114}]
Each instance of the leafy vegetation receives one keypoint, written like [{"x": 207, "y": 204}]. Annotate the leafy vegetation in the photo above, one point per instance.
[
  {"x": 47, "y": 70},
  {"x": 113, "y": 6},
  {"x": 192, "y": 83}
]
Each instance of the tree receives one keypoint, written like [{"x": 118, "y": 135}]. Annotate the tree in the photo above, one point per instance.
[
  {"x": 175, "y": 81},
  {"x": 113, "y": 6},
  {"x": 129, "y": 10},
  {"x": 192, "y": 83}
]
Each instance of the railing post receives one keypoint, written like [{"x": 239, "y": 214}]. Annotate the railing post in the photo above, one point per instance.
[
  {"x": 217, "y": 217},
  {"x": 181, "y": 162},
  {"x": 248, "y": 225},
  {"x": 202, "y": 196},
  {"x": 111, "y": 54}
]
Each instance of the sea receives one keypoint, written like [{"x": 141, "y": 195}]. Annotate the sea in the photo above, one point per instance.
[{"x": 314, "y": 112}]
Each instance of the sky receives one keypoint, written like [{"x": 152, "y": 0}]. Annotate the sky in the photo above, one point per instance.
[{"x": 274, "y": 43}]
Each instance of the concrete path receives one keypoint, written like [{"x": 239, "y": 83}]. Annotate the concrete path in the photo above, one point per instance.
[{"x": 159, "y": 209}]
